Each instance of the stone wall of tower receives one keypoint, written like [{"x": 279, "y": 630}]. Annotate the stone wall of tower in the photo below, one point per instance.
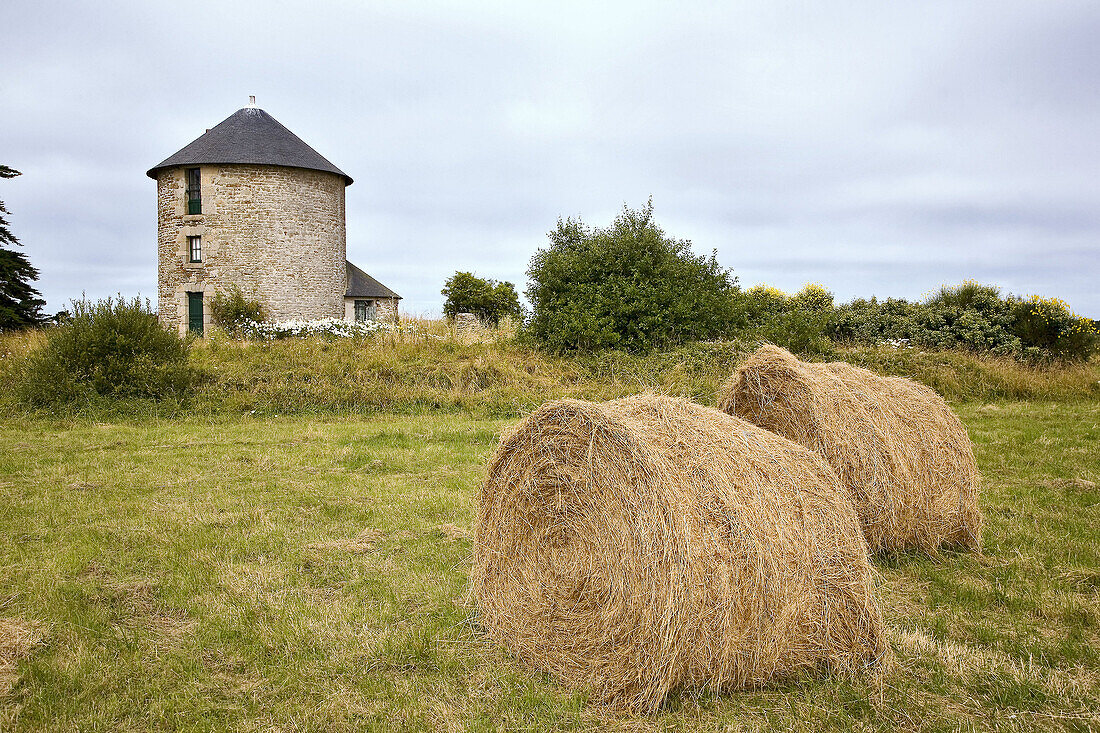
[{"x": 277, "y": 233}]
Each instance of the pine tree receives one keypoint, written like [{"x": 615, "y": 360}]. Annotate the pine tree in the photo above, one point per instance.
[{"x": 20, "y": 305}]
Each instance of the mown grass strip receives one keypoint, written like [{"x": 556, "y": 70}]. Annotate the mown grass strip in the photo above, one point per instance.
[{"x": 304, "y": 573}]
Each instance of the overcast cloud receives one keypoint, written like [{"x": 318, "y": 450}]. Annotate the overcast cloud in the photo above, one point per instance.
[{"x": 877, "y": 148}]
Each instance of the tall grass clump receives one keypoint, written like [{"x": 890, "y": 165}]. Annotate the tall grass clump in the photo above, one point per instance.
[
  {"x": 387, "y": 372},
  {"x": 421, "y": 372},
  {"x": 112, "y": 349},
  {"x": 965, "y": 376}
]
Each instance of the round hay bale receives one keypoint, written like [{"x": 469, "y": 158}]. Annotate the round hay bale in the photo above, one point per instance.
[
  {"x": 903, "y": 454},
  {"x": 645, "y": 544}
]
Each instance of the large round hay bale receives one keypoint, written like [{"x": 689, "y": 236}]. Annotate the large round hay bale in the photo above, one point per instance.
[
  {"x": 648, "y": 543},
  {"x": 903, "y": 454}
]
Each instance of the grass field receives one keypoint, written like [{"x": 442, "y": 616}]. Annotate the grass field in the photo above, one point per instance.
[{"x": 307, "y": 573}]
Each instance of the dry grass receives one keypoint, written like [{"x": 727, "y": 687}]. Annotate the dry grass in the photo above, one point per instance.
[
  {"x": 903, "y": 454},
  {"x": 363, "y": 542},
  {"x": 453, "y": 533},
  {"x": 645, "y": 544},
  {"x": 18, "y": 638},
  {"x": 18, "y": 345},
  {"x": 965, "y": 376},
  {"x": 426, "y": 329}
]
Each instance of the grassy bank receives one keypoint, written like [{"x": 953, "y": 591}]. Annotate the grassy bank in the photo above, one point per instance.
[
  {"x": 307, "y": 573},
  {"x": 505, "y": 379},
  {"x": 962, "y": 376},
  {"x": 433, "y": 371},
  {"x": 489, "y": 374}
]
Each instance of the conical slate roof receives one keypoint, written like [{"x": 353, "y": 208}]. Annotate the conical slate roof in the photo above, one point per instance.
[{"x": 250, "y": 136}]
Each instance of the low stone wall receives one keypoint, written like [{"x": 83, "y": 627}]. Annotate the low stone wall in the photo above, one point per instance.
[{"x": 466, "y": 323}]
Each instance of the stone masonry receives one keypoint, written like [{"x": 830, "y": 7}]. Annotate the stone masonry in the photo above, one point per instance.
[{"x": 276, "y": 232}]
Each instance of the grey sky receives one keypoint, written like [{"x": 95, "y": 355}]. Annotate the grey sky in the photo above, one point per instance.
[{"x": 877, "y": 148}]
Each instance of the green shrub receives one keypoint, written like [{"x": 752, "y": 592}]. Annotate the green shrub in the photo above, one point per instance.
[
  {"x": 232, "y": 309},
  {"x": 967, "y": 295},
  {"x": 799, "y": 323},
  {"x": 760, "y": 303},
  {"x": 872, "y": 321},
  {"x": 812, "y": 297},
  {"x": 114, "y": 348},
  {"x": 969, "y": 316},
  {"x": 487, "y": 299},
  {"x": 626, "y": 286},
  {"x": 798, "y": 330}
]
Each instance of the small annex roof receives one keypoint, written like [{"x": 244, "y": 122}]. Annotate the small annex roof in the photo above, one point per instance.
[
  {"x": 362, "y": 285},
  {"x": 250, "y": 136}
]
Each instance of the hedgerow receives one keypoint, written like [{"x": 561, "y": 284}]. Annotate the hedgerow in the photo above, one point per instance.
[{"x": 972, "y": 317}]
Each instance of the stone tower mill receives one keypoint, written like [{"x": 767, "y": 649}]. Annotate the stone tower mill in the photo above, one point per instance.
[{"x": 249, "y": 204}]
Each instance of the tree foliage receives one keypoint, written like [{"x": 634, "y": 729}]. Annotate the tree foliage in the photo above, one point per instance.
[
  {"x": 626, "y": 286},
  {"x": 487, "y": 299},
  {"x": 20, "y": 304}
]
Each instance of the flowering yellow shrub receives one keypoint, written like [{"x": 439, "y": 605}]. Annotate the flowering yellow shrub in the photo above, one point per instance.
[
  {"x": 766, "y": 292},
  {"x": 1050, "y": 324},
  {"x": 813, "y": 296}
]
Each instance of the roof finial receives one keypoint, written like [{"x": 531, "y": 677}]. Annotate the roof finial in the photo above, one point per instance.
[{"x": 251, "y": 100}]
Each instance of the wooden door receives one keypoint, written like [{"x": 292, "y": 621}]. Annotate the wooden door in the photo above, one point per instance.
[{"x": 194, "y": 313}]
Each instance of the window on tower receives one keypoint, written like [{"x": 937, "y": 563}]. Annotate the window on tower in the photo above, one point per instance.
[
  {"x": 194, "y": 191},
  {"x": 194, "y": 249}
]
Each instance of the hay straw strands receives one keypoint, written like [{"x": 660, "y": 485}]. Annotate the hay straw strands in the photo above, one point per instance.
[
  {"x": 644, "y": 544},
  {"x": 896, "y": 445}
]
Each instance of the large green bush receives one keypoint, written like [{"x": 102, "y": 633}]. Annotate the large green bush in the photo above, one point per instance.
[
  {"x": 114, "y": 349},
  {"x": 627, "y": 286}
]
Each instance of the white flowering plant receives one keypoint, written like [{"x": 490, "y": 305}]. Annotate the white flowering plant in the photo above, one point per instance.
[{"x": 323, "y": 327}]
